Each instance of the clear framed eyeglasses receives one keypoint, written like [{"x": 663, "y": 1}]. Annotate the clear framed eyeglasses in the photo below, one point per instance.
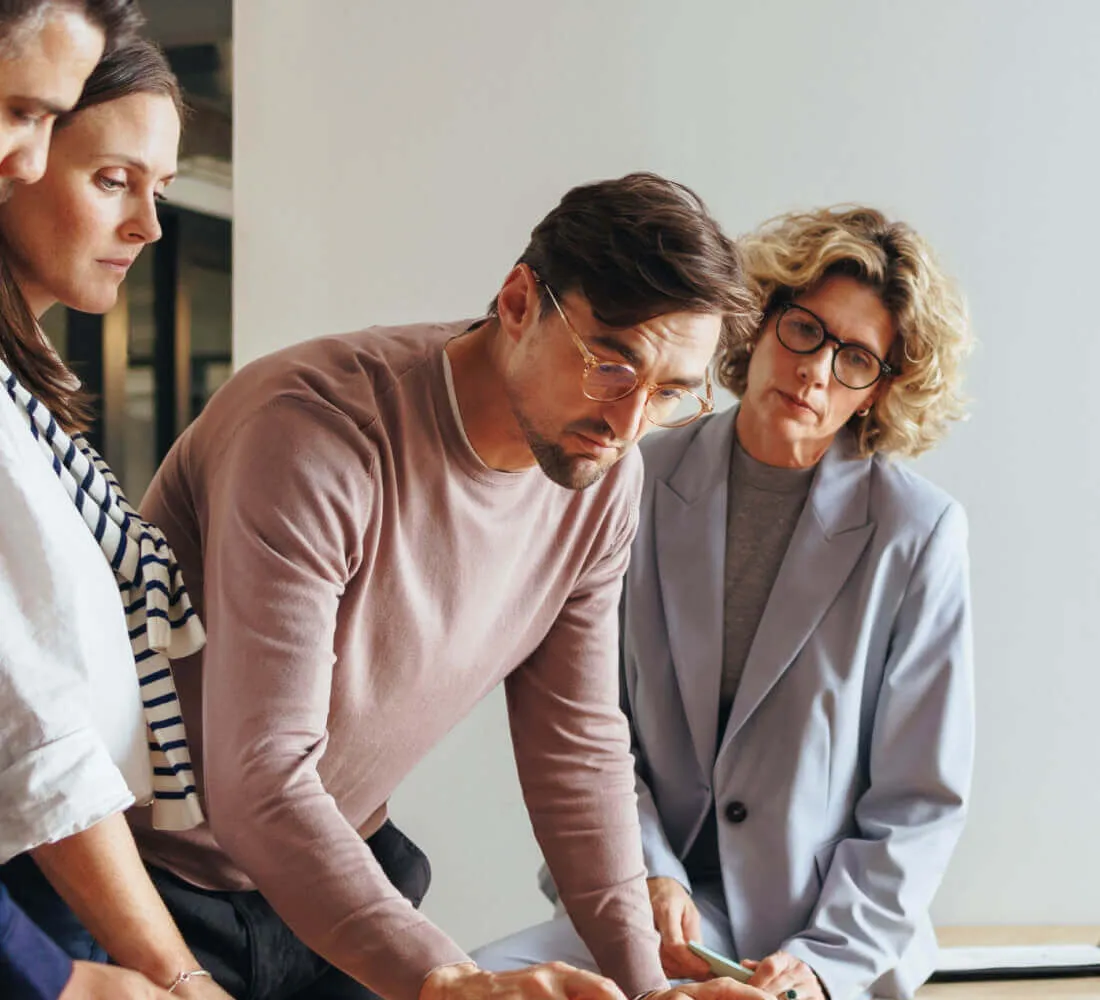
[{"x": 667, "y": 403}]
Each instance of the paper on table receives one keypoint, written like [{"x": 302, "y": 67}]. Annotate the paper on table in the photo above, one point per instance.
[{"x": 1040, "y": 956}]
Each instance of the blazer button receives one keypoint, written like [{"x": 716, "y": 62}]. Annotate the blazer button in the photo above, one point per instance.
[{"x": 736, "y": 812}]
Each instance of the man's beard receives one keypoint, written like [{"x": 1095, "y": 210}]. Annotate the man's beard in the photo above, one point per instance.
[{"x": 574, "y": 472}]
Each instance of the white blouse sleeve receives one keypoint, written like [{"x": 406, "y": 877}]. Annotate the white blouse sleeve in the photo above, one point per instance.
[{"x": 57, "y": 775}]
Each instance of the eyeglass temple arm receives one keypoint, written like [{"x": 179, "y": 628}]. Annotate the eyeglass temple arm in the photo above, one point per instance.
[
  {"x": 590, "y": 359},
  {"x": 709, "y": 401}
]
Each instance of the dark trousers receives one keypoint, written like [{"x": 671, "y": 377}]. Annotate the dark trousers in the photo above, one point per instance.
[
  {"x": 253, "y": 955},
  {"x": 39, "y": 900}
]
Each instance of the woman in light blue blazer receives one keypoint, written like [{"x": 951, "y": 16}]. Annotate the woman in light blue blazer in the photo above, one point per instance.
[{"x": 796, "y": 646}]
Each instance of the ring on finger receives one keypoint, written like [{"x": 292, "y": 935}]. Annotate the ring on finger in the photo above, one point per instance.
[{"x": 788, "y": 995}]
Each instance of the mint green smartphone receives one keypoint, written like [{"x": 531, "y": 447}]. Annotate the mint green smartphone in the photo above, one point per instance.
[{"x": 719, "y": 964}]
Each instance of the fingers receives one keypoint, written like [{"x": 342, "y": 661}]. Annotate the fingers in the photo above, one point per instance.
[
  {"x": 666, "y": 896},
  {"x": 578, "y": 984},
  {"x": 691, "y": 925},
  {"x": 677, "y": 921},
  {"x": 202, "y": 989},
  {"x": 678, "y": 960},
  {"x": 781, "y": 972},
  {"x": 680, "y": 963},
  {"x": 721, "y": 989},
  {"x": 92, "y": 981},
  {"x": 667, "y": 922},
  {"x": 769, "y": 972},
  {"x": 691, "y": 922},
  {"x": 548, "y": 981}
]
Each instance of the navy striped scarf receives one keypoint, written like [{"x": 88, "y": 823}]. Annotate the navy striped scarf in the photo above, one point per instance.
[{"x": 159, "y": 616}]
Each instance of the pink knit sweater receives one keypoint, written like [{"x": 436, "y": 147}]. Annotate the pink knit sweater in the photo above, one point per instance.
[{"x": 365, "y": 580}]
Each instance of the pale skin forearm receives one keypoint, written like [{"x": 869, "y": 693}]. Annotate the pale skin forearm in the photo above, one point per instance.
[{"x": 99, "y": 873}]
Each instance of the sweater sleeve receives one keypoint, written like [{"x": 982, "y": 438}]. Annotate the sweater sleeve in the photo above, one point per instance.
[
  {"x": 289, "y": 507},
  {"x": 572, "y": 750},
  {"x": 32, "y": 967}
]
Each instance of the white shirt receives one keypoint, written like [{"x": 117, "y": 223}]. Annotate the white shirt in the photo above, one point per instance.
[{"x": 72, "y": 731}]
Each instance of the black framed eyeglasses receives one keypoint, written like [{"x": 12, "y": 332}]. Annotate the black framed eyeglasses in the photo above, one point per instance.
[
  {"x": 804, "y": 332},
  {"x": 667, "y": 404}
]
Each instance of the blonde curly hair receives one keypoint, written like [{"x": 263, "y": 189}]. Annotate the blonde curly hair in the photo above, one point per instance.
[{"x": 793, "y": 253}]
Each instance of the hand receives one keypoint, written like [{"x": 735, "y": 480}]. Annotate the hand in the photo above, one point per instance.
[
  {"x": 780, "y": 972},
  {"x": 719, "y": 988},
  {"x": 92, "y": 981},
  {"x": 99, "y": 873},
  {"x": 200, "y": 988},
  {"x": 550, "y": 981},
  {"x": 677, "y": 921}
]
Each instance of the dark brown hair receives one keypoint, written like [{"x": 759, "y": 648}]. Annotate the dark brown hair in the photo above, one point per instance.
[
  {"x": 137, "y": 67},
  {"x": 119, "y": 20},
  {"x": 638, "y": 247}
]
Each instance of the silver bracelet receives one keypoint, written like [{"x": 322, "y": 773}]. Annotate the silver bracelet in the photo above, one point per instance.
[{"x": 186, "y": 977}]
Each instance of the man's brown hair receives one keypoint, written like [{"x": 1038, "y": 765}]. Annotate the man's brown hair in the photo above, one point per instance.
[
  {"x": 638, "y": 247},
  {"x": 119, "y": 20}
]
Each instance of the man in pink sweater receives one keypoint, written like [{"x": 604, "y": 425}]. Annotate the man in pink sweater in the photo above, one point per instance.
[{"x": 380, "y": 527}]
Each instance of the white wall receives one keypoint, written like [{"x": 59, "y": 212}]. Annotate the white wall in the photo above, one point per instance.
[{"x": 391, "y": 158}]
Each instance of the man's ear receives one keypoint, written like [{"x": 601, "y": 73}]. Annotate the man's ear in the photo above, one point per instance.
[{"x": 518, "y": 301}]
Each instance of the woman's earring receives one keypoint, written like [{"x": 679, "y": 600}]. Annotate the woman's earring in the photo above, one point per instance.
[{"x": 863, "y": 412}]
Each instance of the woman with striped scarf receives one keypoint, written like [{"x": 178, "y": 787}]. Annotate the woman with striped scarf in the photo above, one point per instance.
[{"x": 92, "y": 605}]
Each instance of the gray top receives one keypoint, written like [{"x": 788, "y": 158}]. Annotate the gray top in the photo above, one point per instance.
[{"x": 765, "y": 503}]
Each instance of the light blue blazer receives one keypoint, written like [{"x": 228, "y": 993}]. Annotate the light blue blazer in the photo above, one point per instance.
[{"x": 850, "y": 743}]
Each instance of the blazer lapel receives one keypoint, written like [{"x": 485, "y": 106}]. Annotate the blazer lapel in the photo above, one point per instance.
[
  {"x": 690, "y": 530},
  {"x": 828, "y": 540}
]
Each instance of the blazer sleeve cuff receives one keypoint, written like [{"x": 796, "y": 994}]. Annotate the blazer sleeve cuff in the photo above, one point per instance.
[
  {"x": 664, "y": 864},
  {"x": 835, "y": 972}
]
